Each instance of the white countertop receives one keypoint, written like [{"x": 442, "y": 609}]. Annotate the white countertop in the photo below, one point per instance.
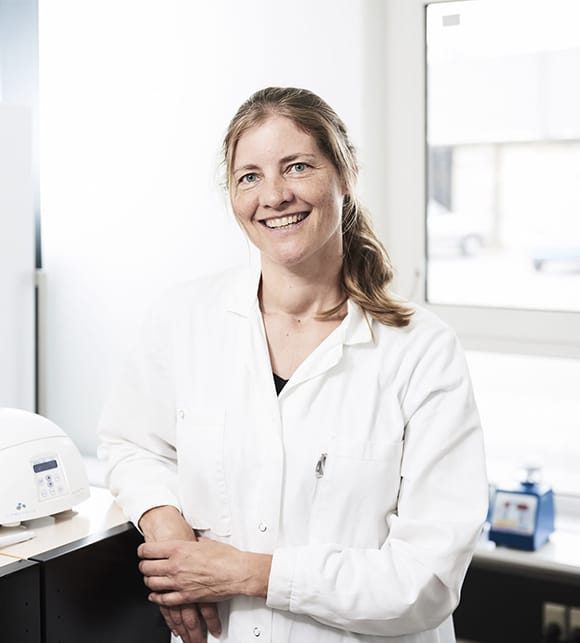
[
  {"x": 94, "y": 515},
  {"x": 6, "y": 560},
  {"x": 561, "y": 554}
]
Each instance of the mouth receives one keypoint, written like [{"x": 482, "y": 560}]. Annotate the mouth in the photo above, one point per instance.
[{"x": 286, "y": 221}]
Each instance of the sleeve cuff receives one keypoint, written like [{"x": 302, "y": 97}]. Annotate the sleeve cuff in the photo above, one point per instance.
[
  {"x": 281, "y": 578},
  {"x": 147, "y": 499}
]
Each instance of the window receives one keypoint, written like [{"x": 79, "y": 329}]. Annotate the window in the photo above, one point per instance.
[
  {"x": 483, "y": 158},
  {"x": 483, "y": 207},
  {"x": 503, "y": 139}
]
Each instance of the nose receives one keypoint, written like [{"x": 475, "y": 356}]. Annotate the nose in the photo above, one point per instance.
[{"x": 275, "y": 192}]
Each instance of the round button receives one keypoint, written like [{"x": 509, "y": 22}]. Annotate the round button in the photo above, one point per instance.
[
  {"x": 257, "y": 631},
  {"x": 263, "y": 527}
]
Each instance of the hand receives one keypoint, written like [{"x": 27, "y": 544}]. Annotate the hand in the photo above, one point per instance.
[
  {"x": 180, "y": 572},
  {"x": 190, "y": 622}
]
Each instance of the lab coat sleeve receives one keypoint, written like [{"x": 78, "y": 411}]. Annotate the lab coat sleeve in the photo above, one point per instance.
[
  {"x": 137, "y": 426},
  {"x": 412, "y": 582}
]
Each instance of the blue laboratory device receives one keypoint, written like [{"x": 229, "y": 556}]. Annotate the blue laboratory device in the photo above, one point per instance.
[{"x": 522, "y": 516}]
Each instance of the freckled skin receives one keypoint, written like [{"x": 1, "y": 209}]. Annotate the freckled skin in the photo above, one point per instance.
[{"x": 279, "y": 170}]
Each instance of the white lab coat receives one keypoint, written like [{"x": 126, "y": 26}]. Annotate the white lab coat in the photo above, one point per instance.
[{"x": 373, "y": 548}]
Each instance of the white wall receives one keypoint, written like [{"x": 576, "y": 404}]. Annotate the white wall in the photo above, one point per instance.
[
  {"x": 16, "y": 260},
  {"x": 135, "y": 97}
]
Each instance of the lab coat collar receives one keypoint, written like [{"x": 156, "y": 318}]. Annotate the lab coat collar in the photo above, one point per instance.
[
  {"x": 243, "y": 291},
  {"x": 243, "y": 295},
  {"x": 358, "y": 325}
]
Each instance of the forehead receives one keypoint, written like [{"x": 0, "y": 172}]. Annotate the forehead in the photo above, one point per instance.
[{"x": 272, "y": 140}]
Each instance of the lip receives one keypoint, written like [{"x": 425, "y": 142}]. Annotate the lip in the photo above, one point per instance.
[{"x": 285, "y": 214}]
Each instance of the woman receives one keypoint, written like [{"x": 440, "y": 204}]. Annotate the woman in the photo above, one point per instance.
[{"x": 296, "y": 445}]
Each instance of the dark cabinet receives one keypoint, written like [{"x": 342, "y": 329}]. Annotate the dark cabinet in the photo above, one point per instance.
[
  {"x": 502, "y": 603},
  {"x": 89, "y": 590},
  {"x": 20, "y": 609}
]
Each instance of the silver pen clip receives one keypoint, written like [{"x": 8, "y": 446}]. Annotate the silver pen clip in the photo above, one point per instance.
[{"x": 319, "y": 470}]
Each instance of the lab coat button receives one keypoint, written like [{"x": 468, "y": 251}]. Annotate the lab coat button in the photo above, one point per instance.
[
  {"x": 257, "y": 631},
  {"x": 263, "y": 527}
]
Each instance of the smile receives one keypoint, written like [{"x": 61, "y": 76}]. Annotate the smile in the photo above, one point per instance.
[{"x": 285, "y": 222}]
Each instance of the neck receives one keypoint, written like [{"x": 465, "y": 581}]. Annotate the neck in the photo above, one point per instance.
[{"x": 299, "y": 293}]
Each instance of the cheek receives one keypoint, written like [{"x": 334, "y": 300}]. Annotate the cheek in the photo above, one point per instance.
[
  {"x": 243, "y": 208},
  {"x": 332, "y": 204},
  {"x": 327, "y": 197}
]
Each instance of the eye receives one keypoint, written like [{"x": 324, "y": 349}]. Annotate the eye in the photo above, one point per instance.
[
  {"x": 299, "y": 167},
  {"x": 249, "y": 178}
]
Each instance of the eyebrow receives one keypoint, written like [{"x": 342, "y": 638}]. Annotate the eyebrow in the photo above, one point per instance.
[
  {"x": 285, "y": 159},
  {"x": 298, "y": 155},
  {"x": 245, "y": 168}
]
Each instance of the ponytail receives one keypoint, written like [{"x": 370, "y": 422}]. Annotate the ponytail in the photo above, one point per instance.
[{"x": 367, "y": 270}]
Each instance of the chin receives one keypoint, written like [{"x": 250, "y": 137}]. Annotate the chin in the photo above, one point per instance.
[{"x": 286, "y": 260}]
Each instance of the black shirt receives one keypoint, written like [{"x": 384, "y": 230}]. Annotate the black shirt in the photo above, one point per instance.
[{"x": 279, "y": 383}]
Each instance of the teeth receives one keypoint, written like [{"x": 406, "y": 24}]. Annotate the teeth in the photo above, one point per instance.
[{"x": 285, "y": 221}]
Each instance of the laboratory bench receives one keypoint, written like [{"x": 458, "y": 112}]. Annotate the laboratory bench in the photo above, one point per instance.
[
  {"x": 505, "y": 590},
  {"x": 78, "y": 580}
]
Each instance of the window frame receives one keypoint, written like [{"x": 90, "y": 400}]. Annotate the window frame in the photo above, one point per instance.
[{"x": 512, "y": 330}]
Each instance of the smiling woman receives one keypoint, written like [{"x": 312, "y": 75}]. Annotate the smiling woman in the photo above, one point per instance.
[
  {"x": 290, "y": 205},
  {"x": 289, "y": 440},
  {"x": 303, "y": 122}
]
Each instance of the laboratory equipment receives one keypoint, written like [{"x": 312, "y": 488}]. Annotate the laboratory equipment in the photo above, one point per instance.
[
  {"x": 10, "y": 536},
  {"x": 41, "y": 469},
  {"x": 522, "y": 515}
]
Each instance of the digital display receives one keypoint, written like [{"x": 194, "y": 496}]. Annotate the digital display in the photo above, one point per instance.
[
  {"x": 514, "y": 512},
  {"x": 45, "y": 466}
]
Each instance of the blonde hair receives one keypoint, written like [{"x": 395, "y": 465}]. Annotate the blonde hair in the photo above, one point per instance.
[{"x": 366, "y": 268}]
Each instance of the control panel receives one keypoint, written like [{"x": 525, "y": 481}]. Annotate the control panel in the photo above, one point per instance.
[{"x": 49, "y": 476}]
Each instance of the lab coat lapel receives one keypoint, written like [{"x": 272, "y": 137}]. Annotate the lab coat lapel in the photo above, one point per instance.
[
  {"x": 354, "y": 329},
  {"x": 241, "y": 303}
]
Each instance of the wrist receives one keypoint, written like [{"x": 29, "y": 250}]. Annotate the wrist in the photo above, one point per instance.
[
  {"x": 164, "y": 523},
  {"x": 258, "y": 574}
]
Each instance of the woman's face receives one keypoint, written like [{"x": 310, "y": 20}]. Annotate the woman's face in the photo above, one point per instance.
[{"x": 287, "y": 195}]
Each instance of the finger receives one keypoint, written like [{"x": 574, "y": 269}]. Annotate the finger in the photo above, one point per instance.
[
  {"x": 158, "y": 583},
  {"x": 174, "y": 622},
  {"x": 170, "y": 599},
  {"x": 155, "y": 567},
  {"x": 154, "y": 550},
  {"x": 210, "y": 615},
  {"x": 190, "y": 626},
  {"x": 194, "y": 624}
]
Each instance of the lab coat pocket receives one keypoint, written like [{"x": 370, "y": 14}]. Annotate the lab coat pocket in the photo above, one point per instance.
[
  {"x": 356, "y": 492},
  {"x": 202, "y": 482}
]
